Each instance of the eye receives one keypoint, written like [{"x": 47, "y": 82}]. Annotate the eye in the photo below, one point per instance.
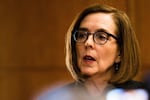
[
  {"x": 101, "y": 36},
  {"x": 81, "y": 35}
]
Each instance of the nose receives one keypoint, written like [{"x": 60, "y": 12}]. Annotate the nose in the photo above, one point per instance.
[{"x": 89, "y": 42}]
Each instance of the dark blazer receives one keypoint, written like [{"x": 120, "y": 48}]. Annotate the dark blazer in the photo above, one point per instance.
[{"x": 131, "y": 85}]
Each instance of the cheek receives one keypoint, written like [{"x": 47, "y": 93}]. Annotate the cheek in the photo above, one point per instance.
[
  {"x": 107, "y": 55},
  {"x": 79, "y": 51},
  {"x": 103, "y": 54}
]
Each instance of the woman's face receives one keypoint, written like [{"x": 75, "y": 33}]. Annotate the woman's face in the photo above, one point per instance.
[{"x": 93, "y": 58}]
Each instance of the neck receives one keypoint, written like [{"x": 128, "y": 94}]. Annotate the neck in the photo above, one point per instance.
[{"x": 97, "y": 84}]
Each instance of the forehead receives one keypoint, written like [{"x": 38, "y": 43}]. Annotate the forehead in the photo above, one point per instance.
[{"x": 96, "y": 21}]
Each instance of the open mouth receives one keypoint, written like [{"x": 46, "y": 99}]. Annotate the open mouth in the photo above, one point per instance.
[{"x": 90, "y": 58}]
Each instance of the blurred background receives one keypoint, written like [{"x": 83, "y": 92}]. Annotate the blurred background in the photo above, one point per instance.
[{"x": 32, "y": 42}]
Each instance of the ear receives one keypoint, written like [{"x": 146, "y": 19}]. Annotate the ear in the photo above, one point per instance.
[{"x": 118, "y": 59}]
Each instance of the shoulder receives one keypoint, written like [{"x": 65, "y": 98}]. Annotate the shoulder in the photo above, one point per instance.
[
  {"x": 63, "y": 93},
  {"x": 131, "y": 85}
]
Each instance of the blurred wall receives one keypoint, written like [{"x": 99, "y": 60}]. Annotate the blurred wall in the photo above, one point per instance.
[{"x": 32, "y": 41}]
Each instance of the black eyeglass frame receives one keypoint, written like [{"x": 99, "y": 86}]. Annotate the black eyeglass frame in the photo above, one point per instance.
[{"x": 89, "y": 33}]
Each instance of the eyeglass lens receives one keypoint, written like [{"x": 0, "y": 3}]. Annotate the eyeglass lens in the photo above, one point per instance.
[{"x": 98, "y": 37}]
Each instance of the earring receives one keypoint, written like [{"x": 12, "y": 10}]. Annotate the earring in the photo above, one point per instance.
[{"x": 117, "y": 67}]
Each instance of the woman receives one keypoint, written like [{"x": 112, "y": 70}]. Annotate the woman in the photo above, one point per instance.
[
  {"x": 102, "y": 53},
  {"x": 102, "y": 50}
]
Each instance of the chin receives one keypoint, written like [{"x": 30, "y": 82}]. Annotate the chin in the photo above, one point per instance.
[{"x": 87, "y": 73}]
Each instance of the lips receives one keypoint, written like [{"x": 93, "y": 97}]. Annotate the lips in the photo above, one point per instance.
[{"x": 89, "y": 58}]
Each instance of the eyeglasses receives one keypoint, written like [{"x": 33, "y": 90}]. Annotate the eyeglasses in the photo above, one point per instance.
[{"x": 99, "y": 37}]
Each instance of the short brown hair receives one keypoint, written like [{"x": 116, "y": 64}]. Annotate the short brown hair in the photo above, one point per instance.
[{"x": 128, "y": 44}]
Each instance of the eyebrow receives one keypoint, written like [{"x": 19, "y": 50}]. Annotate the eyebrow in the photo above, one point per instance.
[
  {"x": 83, "y": 29},
  {"x": 102, "y": 30},
  {"x": 98, "y": 30}
]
